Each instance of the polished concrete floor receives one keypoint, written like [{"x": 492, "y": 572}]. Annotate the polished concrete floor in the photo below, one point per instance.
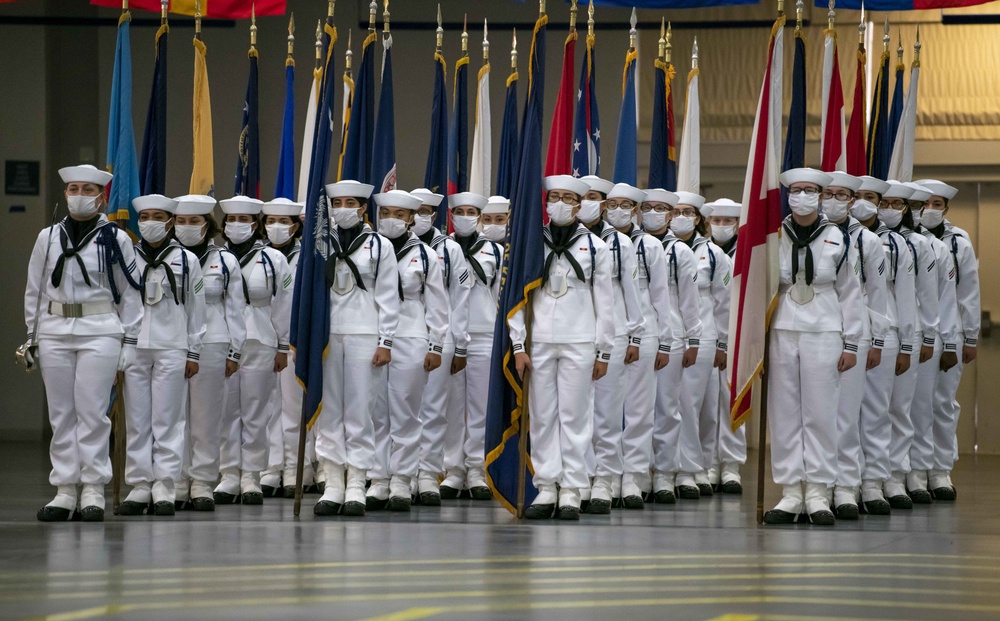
[{"x": 698, "y": 560}]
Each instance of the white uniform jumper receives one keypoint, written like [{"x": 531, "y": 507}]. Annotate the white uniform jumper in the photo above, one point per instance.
[
  {"x": 79, "y": 304},
  {"x": 572, "y": 327},
  {"x": 465, "y": 436},
  {"x": 731, "y": 446},
  {"x": 653, "y": 292},
  {"x": 225, "y": 332},
  {"x": 268, "y": 288},
  {"x": 155, "y": 388}
]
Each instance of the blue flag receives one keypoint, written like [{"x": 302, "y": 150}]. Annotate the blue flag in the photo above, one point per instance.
[
  {"x": 248, "y": 162},
  {"x": 383, "y": 175},
  {"x": 361, "y": 129},
  {"x": 153, "y": 159},
  {"x": 522, "y": 273},
  {"x": 879, "y": 145},
  {"x": 509, "y": 140},
  {"x": 896, "y": 112},
  {"x": 626, "y": 166},
  {"x": 795, "y": 134},
  {"x": 662, "y": 155},
  {"x": 284, "y": 187},
  {"x": 310, "y": 330},
  {"x": 587, "y": 129},
  {"x": 121, "y": 160},
  {"x": 436, "y": 172},
  {"x": 458, "y": 138}
]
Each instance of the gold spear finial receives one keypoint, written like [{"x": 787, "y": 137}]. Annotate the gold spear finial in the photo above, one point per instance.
[
  {"x": 197, "y": 19},
  {"x": 163, "y": 11},
  {"x": 885, "y": 35},
  {"x": 590, "y": 19},
  {"x": 291, "y": 34},
  {"x": 465, "y": 35},
  {"x": 572, "y": 16},
  {"x": 486, "y": 43},
  {"x": 861, "y": 29},
  {"x": 319, "y": 43},
  {"x": 513, "y": 51},
  {"x": 669, "y": 48},
  {"x": 899, "y": 46},
  {"x": 662, "y": 43},
  {"x": 831, "y": 16},
  {"x": 781, "y": 7},
  {"x": 348, "y": 55},
  {"x": 799, "y": 6},
  {"x": 541, "y": 7},
  {"x": 916, "y": 49},
  {"x": 385, "y": 17},
  {"x": 329, "y": 8},
  {"x": 694, "y": 54},
  {"x": 124, "y": 6},
  {"x": 372, "y": 10},
  {"x": 633, "y": 34},
  {"x": 440, "y": 31},
  {"x": 253, "y": 26}
]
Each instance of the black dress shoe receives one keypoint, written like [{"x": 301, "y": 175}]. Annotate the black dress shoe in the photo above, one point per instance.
[
  {"x": 596, "y": 507},
  {"x": 252, "y": 498},
  {"x": 288, "y": 491},
  {"x": 321, "y": 487},
  {"x": 224, "y": 498},
  {"x": 478, "y": 493},
  {"x": 584, "y": 505},
  {"x": 944, "y": 493},
  {"x": 130, "y": 507},
  {"x": 705, "y": 489},
  {"x": 326, "y": 508},
  {"x": 688, "y": 492},
  {"x": 920, "y": 496},
  {"x": 430, "y": 499},
  {"x": 900, "y": 502},
  {"x": 633, "y": 502},
  {"x": 847, "y": 512},
  {"x": 664, "y": 497},
  {"x": 450, "y": 493},
  {"x": 354, "y": 509},
  {"x": 732, "y": 487},
  {"x": 877, "y": 507},
  {"x": 823, "y": 517},
  {"x": 164, "y": 508},
  {"x": 777, "y": 516},
  {"x": 375, "y": 504},
  {"x": 568, "y": 513},
  {"x": 92, "y": 514},
  {"x": 269, "y": 491},
  {"x": 49, "y": 513},
  {"x": 539, "y": 512},
  {"x": 203, "y": 504},
  {"x": 401, "y": 504}
]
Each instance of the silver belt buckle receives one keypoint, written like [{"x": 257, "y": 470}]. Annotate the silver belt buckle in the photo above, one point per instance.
[
  {"x": 154, "y": 291},
  {"x": 343, "y": 281}
]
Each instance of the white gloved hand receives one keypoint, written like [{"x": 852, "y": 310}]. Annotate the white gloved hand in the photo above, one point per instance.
[{"x": 127, "y": 357}]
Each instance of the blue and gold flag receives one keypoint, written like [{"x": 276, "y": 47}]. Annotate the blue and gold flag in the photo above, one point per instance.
[
  {"x": 153, "y": 159},
  {"x": 662, "y": 154},
  {"x": 284, "y": 187},
  {"x": 458, "y": 140},
  {"x": 509, "y": 140},
  {"x": 121, "y": 160},
  {"x": 795, "y": 133},
  {"x": 626, "y": 166},
  {"x": 383, "y": 174},
  {"x": 879, "y": 145},
  {"x": 357, "y": 163},
  {"x": 436, "y": 172},
  {"x": 248, "y": 160},
  {"x": 896, "y": 111}
]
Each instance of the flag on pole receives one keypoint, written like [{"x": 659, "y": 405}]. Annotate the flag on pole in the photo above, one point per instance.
[
  {"x": 310, "y": 329},
  {"x": 216, "y": 9},
  {"x": 248, "y": 160},
  {"x": 348, "y": 103},
  {"x": 832, "y": 135},
  {"x": 896, "y": 110},
  {"x": 857, "y": 159},
  {"x": 284, "y": 187},
  {"x": 689, "y": 169},
  {"x": 305, "y": 160},
  {"x": 481, "y": 168},
  {"x": 436, "y": 171},
  {"x": 587, "y": 132},
  {"x": 878, "y": 128},
  {"x": 662, "y": 154},
  {"x": 626, "y": 166},
  {"x": 357, "y": 161},
  {"x": 795, "y": 134},
  {"x": 458, "y": 138},
  {"x": 522, "y": 273},
  {"x": 121, "y": 159},
  {"x": 900, "y": 5},
  {"x": 153, "y": 159},
  {"x": 901, "y": 164},
  {"x": 509, "y": 138},
  {"x": 203, "y": 166},
  {"x": 755, "y": 268},
  {"x": 558, "y": 158},
  {"x": 383, "y": 174}
]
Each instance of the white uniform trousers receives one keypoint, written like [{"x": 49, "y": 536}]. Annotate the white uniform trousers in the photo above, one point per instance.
[
  {"x": 560, "y": 406},
  {"x": 207, "y": 392},
  {"x": 852, "y": 391},
  {"x": 435, "y": 407},
  {"x": 291, "y": 422},
  {"x": 946, "y": 411},
  {"x": 900, "y": 402},
  {"x": 397, "y": 419},
  {"x": 275, "y": 438},
  {"x": 732, "y": 444},
  {"x": 79, "y": 372},
  {"x": 465, "y": 435},
  {"x": 245, "y": 428},
  {"x": 802, "y": 395},
  {"x": 667, "y": 412},
  {"x": 695, "y": 385},
  {"x": 876, "y": 428},
  {"x": 922, "y": 412},
  {"x": 155, "y": 396},
  {"x": 609, "y": 413},
  {"x": 351, "y": 388},
  {"x": 640, "y": 399},
  {"x": 709, "y": 420}
]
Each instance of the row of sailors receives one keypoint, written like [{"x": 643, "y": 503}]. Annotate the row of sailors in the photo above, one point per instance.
[{"x": 409, "y": 353}]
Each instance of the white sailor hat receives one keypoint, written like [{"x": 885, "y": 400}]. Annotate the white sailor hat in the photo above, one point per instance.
[
  {"x": 470, "y": 199},
  {"x": 920, "y": 193},
  {"x": 659, "y": 195},
  {"x": 597, "y": 184},
  {"x": 194, "y": 205},
  {"x": 897, "y": 190},
  {"x": 872, "y": 184},
  {"x": 85, "y": 173},
  {"x": 302, "y": 212},
  {"x": 497, "y": 204},
  {"x": 154, "y": 201},
  {"x": 844, "y": 180},
  {"x": 349, "y": 188},
  {"x": 398, "y": 198},
  {"x": 241, "y": 206},
  {"x": 939, "y": 188},
  {"x": 626, "y": 191},
  {"x": 804, "y": 175},
  {"x": 722, "y": 208},
  {"x": 690, "y": 198},
  {"x": 283, "y": 207},
  {"x": 567, "y": 183},
  {"x": 429, "y": 198}
]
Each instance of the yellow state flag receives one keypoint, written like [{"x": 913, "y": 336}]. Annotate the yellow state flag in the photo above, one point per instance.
[{"x": 203, "y": 169}]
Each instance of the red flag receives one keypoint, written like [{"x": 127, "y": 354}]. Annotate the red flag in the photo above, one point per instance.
[
  {"x": 559, "y": 159},
  {"x": 222, "y": 9},
  {"x": 833, "y": 146},
  {"x": 857, "y": 160}
]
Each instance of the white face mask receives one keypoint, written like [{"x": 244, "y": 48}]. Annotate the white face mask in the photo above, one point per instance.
[
  {"x": 589, "y": 211},
  {"x": 239, "y": 232},
  {"x": 890, "y": 217},
  {"x": 618, "y": 217},
  {"x": 495, "y": 232},
  {"x": 189, "y": 234},
  {"x": 345, "y": 217},
  {"x": 931, "y": 218},
  {"x": 863, "y": 210},
  {"x": 835, "y": 209},
  {"x": 391, "y": 227},
  {"x": 682, "y": 225},
  {"x": 723, "y": 233},
  {"x": 279, "y": 234},
  {"x": 917, "y": 220},
  {"x": 82, "y": 206},
  {"x": 560, "y": 213},
  {"x": 422, "y": 224},
  {"x": 803, "y": 204},
  {"x": 153, "y": 231},
  {"x": 654, "y": 220},
  {"x": 465, "y": 225}
]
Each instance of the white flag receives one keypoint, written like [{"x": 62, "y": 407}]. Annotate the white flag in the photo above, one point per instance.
[
  {"x": 307, "y": 138},
  {"x": 480, "y": 167},
  {"x": 901, "y": 164},
  {"x": 689, "y": 161}
]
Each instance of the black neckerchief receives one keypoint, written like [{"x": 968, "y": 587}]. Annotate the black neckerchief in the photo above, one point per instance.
[
  {"x": 345, "y": 244},
  {"x": 877, "y": 227},
  {"x": 661, "y": 237},
  {"x": 468, "y": 241},
  {"x": 288, "y": 249},
  {"x": 346, "y": 237},
  {"x": 156, "y": 257},
  {"x": 428, "y": 236},
  {"x": 243, "y": 250},
  {"x": 470, "y": 245},
  {"x": 74, "y": 237},
  {"x": 201, "y": 250},
  {"x": 694, "y": 240},
  {"x": 597, "y": 228},
  {"x": 78, "y": 229},
  {"x": 728, "y": 246},
  {"x": 937, "y": 231},
  {"x": 801, "y": 237},
  {"x": 560, "y": 240},
  {"x": 399, "y": 243}
]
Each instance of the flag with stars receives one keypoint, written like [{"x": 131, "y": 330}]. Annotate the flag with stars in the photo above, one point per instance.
[{"x": 587, "y": 132}]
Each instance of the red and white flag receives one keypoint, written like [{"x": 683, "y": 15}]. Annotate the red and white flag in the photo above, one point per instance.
[
  {"x": 857, "y": 156},
  {"x": 833, "y": 138},
  {"x": 755, "y": 270}
]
